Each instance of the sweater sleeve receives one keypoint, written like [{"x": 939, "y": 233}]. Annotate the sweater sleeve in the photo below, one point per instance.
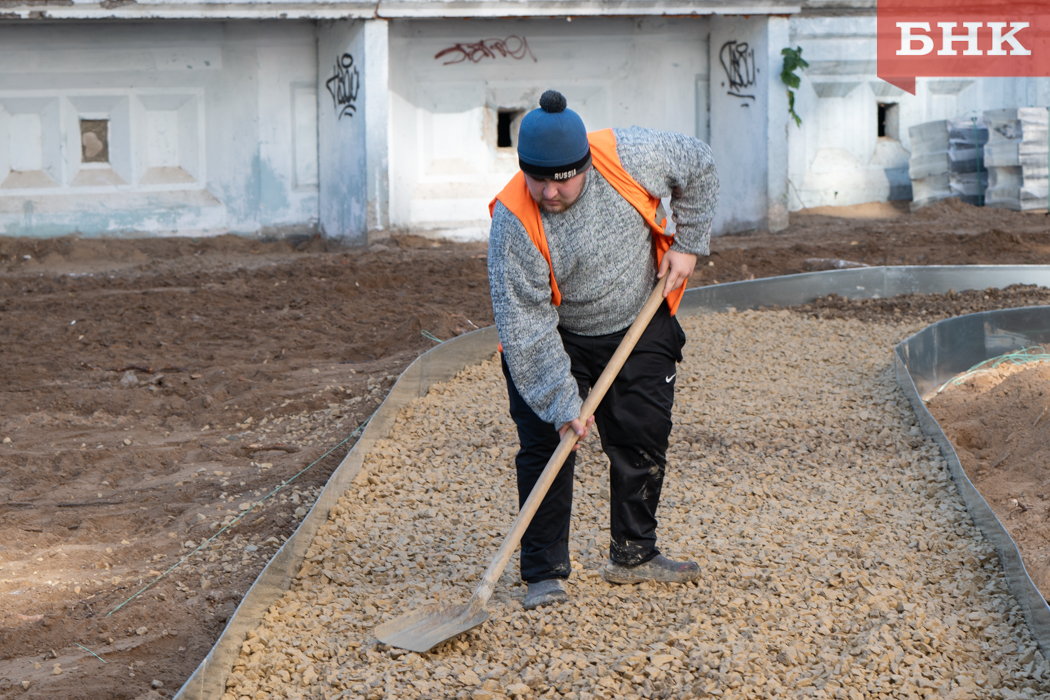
[
  {"x": 527, "y": 321},
  {"x": 679, "y": 166}
]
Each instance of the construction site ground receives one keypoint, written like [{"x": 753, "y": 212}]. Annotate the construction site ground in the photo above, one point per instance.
[{"x": 151, "y": 390}]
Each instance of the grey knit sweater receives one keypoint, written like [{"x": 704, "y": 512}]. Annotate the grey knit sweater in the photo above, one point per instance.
[{"x": 602, "y": 253}]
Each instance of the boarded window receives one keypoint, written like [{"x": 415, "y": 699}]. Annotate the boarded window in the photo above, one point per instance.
[{"x": 94, "y": 140}]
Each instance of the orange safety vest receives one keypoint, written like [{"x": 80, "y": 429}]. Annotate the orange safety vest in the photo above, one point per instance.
[{"x": 515, "y": 196}]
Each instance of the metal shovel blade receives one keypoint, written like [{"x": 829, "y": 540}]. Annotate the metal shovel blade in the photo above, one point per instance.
[{"x": 428, "y": 626}]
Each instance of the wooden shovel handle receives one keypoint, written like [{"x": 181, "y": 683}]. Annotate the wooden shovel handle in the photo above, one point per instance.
[{"x": 484, "y": 590}]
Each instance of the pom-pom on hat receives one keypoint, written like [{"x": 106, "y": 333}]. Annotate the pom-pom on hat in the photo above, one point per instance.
[{"x": 552, "y": 141}]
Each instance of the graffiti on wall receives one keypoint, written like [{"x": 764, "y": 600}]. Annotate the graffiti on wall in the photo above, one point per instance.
[
  {"x": 515, "y": 47},
  {"x": 344, "y": 86},
  {"x": 738, "y": 61}
]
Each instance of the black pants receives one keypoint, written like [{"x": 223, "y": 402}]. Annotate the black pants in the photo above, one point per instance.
[{"x": 634, "y": 422}]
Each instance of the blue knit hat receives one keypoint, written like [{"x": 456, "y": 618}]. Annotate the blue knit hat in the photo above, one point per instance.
[{"x": 552, "y": 141}]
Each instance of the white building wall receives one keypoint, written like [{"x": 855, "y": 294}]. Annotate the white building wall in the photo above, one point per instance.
[
  {"x": 445, "y": 165},
  {"x": 836, "y": 156},
  {"x": 207, "y": 126},
  {"x": 377, "y": 111},
  {"x": 342, "y": 130},
  {"x": 748, "y": 122}
]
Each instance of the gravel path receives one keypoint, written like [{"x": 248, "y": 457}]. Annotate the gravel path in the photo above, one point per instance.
[{"x": 839, "y": 560}]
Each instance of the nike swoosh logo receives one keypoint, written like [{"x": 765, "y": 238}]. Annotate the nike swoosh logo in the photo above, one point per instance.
[{"x": 671, "y": 378}]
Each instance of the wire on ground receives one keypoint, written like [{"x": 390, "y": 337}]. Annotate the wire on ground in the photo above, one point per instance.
[
  {"x": 90, "y": 652},
  {"x": 208, "y": 541},
  {"x": 1024, "y": 356}
]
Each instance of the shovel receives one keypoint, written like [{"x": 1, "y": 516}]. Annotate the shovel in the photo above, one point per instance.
[{"x": 422, "y": 629}]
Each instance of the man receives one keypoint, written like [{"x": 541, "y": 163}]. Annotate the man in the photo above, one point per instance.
[{"x": 572, "y": 258}]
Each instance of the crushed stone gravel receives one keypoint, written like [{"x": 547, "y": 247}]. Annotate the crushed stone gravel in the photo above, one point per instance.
[{"x": 839, "y": 561}]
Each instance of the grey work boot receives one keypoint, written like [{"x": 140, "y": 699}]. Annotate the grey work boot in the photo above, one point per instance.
[
  {"x": 545, "y": 593},
  {"x": 659, "y": 568}
]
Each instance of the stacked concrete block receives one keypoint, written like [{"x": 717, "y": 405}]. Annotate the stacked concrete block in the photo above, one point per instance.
[
  {"x": 946, "y": 161},
  {"x": 1017, "y": 158}
]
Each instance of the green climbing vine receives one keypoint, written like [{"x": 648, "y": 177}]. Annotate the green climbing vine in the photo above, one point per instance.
[{"x": 793, "y": 61}]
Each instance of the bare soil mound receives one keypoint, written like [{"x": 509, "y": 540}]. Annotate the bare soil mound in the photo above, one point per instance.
[{"x": 997, "y": 422}]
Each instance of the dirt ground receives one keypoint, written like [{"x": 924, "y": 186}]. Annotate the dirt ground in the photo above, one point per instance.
[
  {"x": 996, "y": 419},
  {"x": 151, "y": 390}
]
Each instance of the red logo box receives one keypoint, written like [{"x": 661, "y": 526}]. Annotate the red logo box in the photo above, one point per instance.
[{"x": 945, "y": 38}]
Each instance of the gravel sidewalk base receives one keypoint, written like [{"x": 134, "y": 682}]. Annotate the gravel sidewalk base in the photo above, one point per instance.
[{"x": 839, "y": 560}]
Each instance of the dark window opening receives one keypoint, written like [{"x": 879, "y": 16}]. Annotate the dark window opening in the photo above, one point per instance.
[
  {"x": 94, "y": 140},
  {"x": 507, "y": 122},
  {"x": 889, "y": 120}
]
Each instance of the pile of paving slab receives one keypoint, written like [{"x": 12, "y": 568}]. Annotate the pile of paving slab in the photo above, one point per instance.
[{"x": 998, "y": 159}]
